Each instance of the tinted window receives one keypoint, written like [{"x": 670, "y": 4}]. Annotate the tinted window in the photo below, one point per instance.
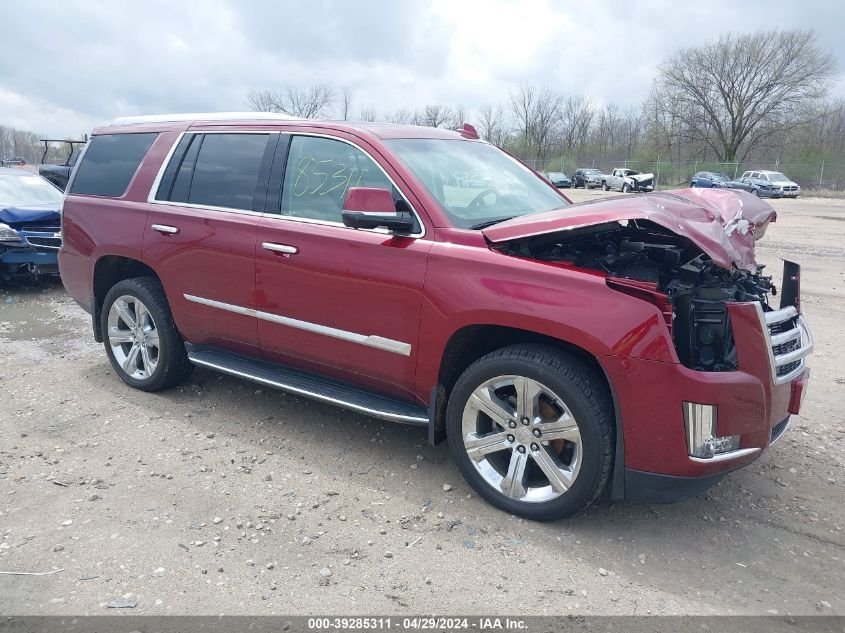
[
  {"x": 226, "y": 170},
  {"x": 110, "y": 162},
  {"x": 185, "y": 171},
  {"x": 318, "y": 173}
]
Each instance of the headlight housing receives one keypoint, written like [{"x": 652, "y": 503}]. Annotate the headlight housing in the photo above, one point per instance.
[{"x": 8, "y": 234}]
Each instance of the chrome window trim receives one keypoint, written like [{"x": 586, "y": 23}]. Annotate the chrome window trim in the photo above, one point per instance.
[
  {"x": 368, "y": 340},
  {"x": 151, "y": 199}
]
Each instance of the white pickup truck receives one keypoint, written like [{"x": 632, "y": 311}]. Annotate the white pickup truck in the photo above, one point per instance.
[{"x": 626, "y": 180}]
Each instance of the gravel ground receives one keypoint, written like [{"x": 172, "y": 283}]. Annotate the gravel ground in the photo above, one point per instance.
[{"x": 221, "y": 497}]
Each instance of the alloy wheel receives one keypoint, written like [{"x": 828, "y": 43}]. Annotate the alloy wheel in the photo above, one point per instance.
[
  {"x": 522, "y": 439},
  {"x": 133, "y": 337}
]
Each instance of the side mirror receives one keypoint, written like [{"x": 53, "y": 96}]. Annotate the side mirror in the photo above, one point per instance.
[{"x": 372, "y": 208}]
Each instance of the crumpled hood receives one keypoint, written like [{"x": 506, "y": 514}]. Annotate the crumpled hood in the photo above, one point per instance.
[
  {"x": 724, "y": 223},
  {"x": 641, "y": 177},
  {"x": 28, "y": 213}
]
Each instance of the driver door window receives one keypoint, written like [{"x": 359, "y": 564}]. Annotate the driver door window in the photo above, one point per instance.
[{"x": 319, "y": 173}]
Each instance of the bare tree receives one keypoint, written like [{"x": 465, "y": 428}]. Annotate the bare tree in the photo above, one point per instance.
[
  {"x": 491, "y": 123},
  {"x": 307, "y": 103},
  {"x": 264, "y": 100},
  {"x": 368, "y": 113},
  {"x": 346, "y": 95},
  {"x": 736, "y": 93},
  {"x": 576, "y": 117},
  {"x": 458, "y": 117},
  {"x": 545, "y": 120},
  {"x": 522, "y": 107},
  {"x": 435, "y": 115},
  {"x": 402, "y": 115}
]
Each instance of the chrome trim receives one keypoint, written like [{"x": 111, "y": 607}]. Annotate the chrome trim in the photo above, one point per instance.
[
  {"x": 280, "y": 248},
  {"x": 378, "y": 342},
  {"x": 164, "y": 228},
  {"x": 778, "y": 316},
  {"x": 312, "y": 394},
  {"x": 725, "y": 457},
  {"x": 151, "y": 196},
  {"x": 800, "y": 332}
]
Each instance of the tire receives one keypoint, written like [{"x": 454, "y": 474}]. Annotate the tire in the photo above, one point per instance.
[
  {"x": 578, "y": 454},
  {"x": 755, "y": 193},
  {"x": 148, "y": 353},
  {"x": 604, "y": 186},
  {"x": 626, "y": 188}
]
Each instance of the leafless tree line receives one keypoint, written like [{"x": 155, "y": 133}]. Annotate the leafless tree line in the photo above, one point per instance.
[{"x": 746, "y": 96}]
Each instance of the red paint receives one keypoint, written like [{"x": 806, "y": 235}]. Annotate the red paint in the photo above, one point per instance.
[{"x": 423, "y": 291}]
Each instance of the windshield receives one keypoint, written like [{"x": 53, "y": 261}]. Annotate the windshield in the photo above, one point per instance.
[
  {"x": 474, "y": 182},
  {"x": 556, "y": 174},
  {"x": 720, "y": 176},
  {"x": 18, "y": 190},
  {"x": 777, "y": 177},
  {"x": 592, "y": 171}
]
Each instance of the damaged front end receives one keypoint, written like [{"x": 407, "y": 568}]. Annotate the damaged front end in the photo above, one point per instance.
[
  {"x": 643, "y": 259},
  {"x": 690, "y": 253}
]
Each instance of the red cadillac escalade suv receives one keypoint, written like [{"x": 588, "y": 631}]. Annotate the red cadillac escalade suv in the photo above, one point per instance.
[{"x": 426, "y": 277}]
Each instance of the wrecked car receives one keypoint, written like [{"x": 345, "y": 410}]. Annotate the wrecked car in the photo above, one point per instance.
[
  {"x": 629, "y": 343},
  {"x": 30, "y": 225},
  {"x": 626, "y": 180}
]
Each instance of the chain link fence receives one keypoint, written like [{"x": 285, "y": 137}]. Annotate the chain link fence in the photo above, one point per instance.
[{"x": 825, "y": 178}]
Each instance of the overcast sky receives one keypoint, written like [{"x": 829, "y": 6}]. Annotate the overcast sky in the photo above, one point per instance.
[{"x": 67, "y": 66}]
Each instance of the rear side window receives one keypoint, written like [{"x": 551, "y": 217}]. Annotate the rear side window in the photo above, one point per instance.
[
  {"x": 217, "y": 170},
  {"x": 110, "y": 162}
]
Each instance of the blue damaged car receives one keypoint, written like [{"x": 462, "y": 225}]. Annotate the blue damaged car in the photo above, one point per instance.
[{"x": 30, "y": 225}]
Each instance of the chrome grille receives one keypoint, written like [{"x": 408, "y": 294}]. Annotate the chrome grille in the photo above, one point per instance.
[
  {"x": 789, "y": 341},
  {"x": 45, "y": 242}
]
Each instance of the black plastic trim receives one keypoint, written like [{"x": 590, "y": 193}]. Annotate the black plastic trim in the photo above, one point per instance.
[{"x": 646, "y": 487}]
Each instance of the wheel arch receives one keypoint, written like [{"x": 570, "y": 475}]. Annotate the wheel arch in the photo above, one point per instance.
[
  {"x": 108, "y": 270},
  {"x": 471, "y": 342}
]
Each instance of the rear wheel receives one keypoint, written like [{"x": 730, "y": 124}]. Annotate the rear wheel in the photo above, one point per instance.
[
  {"x": 140, "y": 337},
  {"x": 604, "y": 186},
  {"x": 531, "y": 430}
]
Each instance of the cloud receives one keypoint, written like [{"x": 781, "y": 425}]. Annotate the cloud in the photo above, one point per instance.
[{"x": 70, "y": 65}]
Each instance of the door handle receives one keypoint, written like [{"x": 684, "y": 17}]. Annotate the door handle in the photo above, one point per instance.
[
  {"x": 280, "y": 248},
  {"x": 165, "y": 229}
]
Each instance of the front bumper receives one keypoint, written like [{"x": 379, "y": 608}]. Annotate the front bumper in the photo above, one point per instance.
[{"x": 755, "y": 403}]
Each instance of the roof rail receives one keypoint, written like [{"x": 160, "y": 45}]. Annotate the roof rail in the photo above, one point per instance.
[{"x": 202, "y": 116}]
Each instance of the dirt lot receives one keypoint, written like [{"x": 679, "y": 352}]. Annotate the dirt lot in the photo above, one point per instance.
[{"x": 221, "y": 497}]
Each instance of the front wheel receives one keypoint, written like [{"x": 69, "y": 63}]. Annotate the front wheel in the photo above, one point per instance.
[
  {"x": 626, "y": 188},
  {"x": 140, "y": 337},
  {"x": 532, "y": 431},
  {"x": 755, "y": 192}
]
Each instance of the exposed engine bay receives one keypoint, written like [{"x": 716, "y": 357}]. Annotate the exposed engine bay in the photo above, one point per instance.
[{"x": 643, "y": 258}]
